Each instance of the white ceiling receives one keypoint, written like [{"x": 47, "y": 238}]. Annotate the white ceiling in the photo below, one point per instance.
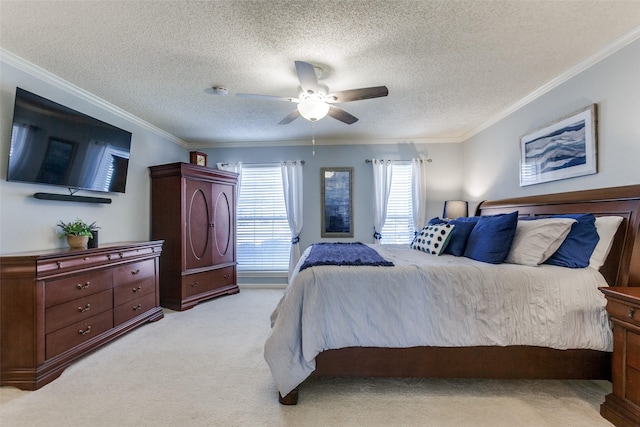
[{"x": 451, "y": 67}]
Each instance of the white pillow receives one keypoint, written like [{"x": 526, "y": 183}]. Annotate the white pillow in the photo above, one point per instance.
[
  {"x": 607, "y": 227},
  {"x": 538, "y": 239},
  {"x": 432, "y": 239}
]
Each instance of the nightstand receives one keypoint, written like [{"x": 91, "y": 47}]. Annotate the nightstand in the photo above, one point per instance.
[{"x": 622, "y": 406}]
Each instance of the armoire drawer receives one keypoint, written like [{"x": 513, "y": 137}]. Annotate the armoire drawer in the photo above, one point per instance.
[
  {"x": 133, "y": 308},
  {"x": 62, "y": 315},
  {"x": 70, "y": 288},
  {"x": 209, "y": 280},
  {"x": 63, "y": 339}
]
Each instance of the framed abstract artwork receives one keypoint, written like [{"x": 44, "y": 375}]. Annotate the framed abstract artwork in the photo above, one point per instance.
[
  {"x": 563, "y": 149},
  {"x": 337, "y": 202}
]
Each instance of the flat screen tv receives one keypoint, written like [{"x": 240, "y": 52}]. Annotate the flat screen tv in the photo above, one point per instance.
[{"x": 55, "y": 145}]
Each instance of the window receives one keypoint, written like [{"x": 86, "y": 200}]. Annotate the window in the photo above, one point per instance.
[
  {"x": 398, "y": 227},
  {"x": 263, "y": 235}
]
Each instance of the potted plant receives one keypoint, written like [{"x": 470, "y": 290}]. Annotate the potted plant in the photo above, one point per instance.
[{"x": 77, "y": 232}]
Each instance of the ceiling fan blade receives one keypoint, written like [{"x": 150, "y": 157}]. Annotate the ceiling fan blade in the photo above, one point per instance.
[
  {"x": 340, "y": 114},
  {"x": 307, "y": 77},
  {"x": 268, "y": 97},
  {"x": 290, "y": 117},
  {"x": 358, "y": 94}
]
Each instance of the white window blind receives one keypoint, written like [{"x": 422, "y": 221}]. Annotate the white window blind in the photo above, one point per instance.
[
  {"x": 398, "y": 227},
  {"x": 263, "y": 236}
]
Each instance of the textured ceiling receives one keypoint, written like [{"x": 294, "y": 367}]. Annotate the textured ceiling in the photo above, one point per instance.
[{"x": 450, "y": 66}]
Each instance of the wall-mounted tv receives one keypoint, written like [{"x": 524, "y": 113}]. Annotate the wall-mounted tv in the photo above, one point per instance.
[{"x": 55, "y": 145}]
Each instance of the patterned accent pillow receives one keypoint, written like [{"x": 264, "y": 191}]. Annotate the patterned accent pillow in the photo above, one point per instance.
[{"x": 432, "y": 239}]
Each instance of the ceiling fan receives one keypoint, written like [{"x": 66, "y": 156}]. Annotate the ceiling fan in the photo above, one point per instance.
[{"x": 314, "y": 100}]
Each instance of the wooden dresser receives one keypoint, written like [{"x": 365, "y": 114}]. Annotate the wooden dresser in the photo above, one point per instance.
[
  {"x": 622, "y": 406},
  {"x": 193, "y": 209},
  {"x": 58, "y": 305}
]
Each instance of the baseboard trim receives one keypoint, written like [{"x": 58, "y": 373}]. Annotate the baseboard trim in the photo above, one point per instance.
[{"x": 262, "y": 285}]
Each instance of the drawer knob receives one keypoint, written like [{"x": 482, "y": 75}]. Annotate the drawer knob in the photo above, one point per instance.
[
  {"x": 86, "y": 258},
  {"x": 135, "y": 273},
  {"x": 86, "y": 308},
  {"x": 137, "y": 307},
  {"x": 194, "y": 284},
  {"x": 83, "y": 286},
  {"x": 631, "y": 312},
  {"x": 134, "y": 290},
  {"x": 85, "y": 332}
]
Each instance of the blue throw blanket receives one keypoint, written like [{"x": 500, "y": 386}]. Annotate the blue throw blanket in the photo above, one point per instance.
[{"x": 343, "y": 254}]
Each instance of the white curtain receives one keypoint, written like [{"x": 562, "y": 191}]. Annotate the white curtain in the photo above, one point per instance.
[
  {"x": 233, "y": 167},
  {"x": 382, "y": 172},
  {"x": 292, "y": 186},
  {"x": 419, "y": 192}
]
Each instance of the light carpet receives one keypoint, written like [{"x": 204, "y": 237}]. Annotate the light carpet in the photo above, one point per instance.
[{"x": 205, "y": 367}]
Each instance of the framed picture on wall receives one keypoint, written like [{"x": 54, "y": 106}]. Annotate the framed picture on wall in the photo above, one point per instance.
[
  {"x": 563, "y": 149},
  {"x": 337, "y": 202}
]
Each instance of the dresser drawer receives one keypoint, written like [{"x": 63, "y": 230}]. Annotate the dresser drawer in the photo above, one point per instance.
[
  {"x": 134, "y": 272},
  {"x": 77, "y": 310},
  {"x": 63, "y": 339},
  {"x": 69, "y": 263},
  {"x": 131, "y": 291},
  {"x": 210, "y": 280},
  {"x": 73, "y": 287},
  {"x": 133, "y": 308},
  {"x": 624, "y": 311}
]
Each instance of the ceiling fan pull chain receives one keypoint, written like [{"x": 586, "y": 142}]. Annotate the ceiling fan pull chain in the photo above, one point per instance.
[{"x": 313, "y": 139}]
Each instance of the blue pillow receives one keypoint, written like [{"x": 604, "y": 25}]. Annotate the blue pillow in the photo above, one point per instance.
[
  {"x": 491, "y": 238},
  {"x": 460, "y": 234},
  {"x": 436, "y": 221},
  {"x": 577, "y": 248}
]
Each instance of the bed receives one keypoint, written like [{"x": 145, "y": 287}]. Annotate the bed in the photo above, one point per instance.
[{"x": 482, "y": 353}]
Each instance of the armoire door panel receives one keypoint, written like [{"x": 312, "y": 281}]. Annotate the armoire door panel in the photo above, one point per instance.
[
  {"x": 223, "y": 228},
  {"x": 198, "y": 251}
]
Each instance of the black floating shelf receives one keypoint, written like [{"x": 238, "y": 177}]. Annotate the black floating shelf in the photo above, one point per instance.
[{"x": 71, "y": 198}]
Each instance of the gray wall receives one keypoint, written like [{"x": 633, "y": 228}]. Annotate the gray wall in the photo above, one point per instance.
[
  {"x": 483, "y": 167},
  {"x": 444, "y": 176},
  {"x": 491, "y": 158},
  {"x": 29, "y": 224}
]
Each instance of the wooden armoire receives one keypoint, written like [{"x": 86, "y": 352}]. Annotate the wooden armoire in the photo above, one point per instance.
[{"x": 193, "y": 211}]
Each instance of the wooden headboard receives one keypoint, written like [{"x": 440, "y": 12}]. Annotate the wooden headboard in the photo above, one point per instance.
[{"x": 622, "y": 267}]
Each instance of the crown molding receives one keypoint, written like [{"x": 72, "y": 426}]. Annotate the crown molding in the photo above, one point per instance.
[
  {"x": 322, "y": 142},
  {"x": 58, "y": 82},
  {"x": 581, "y": 66},
  {"x": 38, "y": 72}
]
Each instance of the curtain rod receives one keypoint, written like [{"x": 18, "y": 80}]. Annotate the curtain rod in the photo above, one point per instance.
[
  {"x": 265, "y": 163},
  {"x": 423, "y": 160}
]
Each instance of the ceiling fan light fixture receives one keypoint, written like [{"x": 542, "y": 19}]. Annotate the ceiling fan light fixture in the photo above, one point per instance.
[{"x": 313, "y": 109}]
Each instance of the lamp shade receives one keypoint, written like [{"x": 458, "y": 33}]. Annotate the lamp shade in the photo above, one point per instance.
[
  {"x": 313, "y": 109},
  {"x": 455, "y": 209}
]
